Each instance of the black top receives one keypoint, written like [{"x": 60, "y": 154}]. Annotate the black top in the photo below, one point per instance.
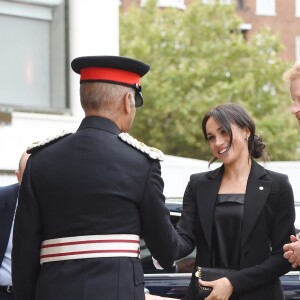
[{"x": 227, "y": 228}]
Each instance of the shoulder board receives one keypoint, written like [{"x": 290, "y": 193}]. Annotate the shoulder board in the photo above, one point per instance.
[
  {"x": 150, "y": 151},
  {"x": 50, "y": 140}
]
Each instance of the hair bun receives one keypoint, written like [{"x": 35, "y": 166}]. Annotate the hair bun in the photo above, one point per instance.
[{"x": 258, "y": 147}]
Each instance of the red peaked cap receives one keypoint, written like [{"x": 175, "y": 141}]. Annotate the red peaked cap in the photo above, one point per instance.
[{"x": 112, "y": 69}]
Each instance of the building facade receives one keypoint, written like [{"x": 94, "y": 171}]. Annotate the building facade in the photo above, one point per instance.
[{"x": 281, "y": 16}]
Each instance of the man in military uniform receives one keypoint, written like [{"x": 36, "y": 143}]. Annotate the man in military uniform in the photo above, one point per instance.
[{"x": 87, "y": 197}]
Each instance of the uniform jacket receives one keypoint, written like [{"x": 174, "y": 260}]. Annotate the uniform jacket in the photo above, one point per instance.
[
  {"x": 268, "y": 223},
  {"x": 8, "y": 201},
  {"x": 90, "y": 182}
]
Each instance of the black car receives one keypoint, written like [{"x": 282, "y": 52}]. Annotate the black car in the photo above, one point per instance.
[{"x": 174, "y": 283}]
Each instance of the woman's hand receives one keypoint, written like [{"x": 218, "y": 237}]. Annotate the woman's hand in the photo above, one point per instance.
[{"x": 222, "y": 289}]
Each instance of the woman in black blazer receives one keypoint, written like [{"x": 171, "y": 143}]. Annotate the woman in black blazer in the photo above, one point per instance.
[{"x": 238, "y": 216}]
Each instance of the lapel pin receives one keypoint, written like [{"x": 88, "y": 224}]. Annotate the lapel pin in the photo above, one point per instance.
[{"x": 261, "y": 188}]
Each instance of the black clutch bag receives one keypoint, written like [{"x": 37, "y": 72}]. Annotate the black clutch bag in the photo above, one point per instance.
[{"x": 209, "y": 274}]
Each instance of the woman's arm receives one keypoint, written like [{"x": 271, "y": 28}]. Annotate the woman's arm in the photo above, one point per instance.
[{"x": 186, "y": 226}]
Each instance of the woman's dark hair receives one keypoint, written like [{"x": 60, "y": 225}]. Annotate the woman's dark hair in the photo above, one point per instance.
[{"x": 226, "y": 115}]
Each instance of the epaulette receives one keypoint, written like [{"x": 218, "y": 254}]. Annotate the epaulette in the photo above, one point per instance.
[
  {"x": 50, "y": 140},
  {"x": 150, "y": 151}
]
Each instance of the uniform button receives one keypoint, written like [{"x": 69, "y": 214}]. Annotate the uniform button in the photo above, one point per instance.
[{"x": 246, "y": 254}]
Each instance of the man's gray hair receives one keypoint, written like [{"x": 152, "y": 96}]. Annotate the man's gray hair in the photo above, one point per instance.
[{"x": 101, "y": 96}]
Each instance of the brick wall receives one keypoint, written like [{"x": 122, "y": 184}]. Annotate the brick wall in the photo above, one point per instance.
[{"x": 284, "y": 23}]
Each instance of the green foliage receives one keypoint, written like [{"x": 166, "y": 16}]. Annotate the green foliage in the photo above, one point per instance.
[{"x": 199, "y": 59}]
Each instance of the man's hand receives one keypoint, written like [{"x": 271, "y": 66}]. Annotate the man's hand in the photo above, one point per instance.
[{"x": 292, "y": 251}]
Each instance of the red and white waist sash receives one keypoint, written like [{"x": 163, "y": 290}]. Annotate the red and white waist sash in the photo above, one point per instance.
[{"x": 90, "y": 246}]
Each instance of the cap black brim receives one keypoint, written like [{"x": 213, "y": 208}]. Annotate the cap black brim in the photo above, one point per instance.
[{"x": 114, "y": 62}]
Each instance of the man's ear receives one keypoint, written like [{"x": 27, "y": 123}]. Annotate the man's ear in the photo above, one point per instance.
[{"x": 127, "y": 102}]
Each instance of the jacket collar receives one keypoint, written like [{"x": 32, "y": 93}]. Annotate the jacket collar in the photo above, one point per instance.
[
  {"x": 256, "y": 170},
  {"x": 257, "y": 193},
  {"x": 99, "y": 123}
]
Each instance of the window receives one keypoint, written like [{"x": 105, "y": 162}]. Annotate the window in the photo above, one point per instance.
[
  {"x": 33, "y": 58},
  {"x": 297, "y": 44},
  {"x": 297, "y": 8},
  {"x": 265, "y": 7},
  {"x": 217, "y": 1},
  {"x": 168, "y": 3}
]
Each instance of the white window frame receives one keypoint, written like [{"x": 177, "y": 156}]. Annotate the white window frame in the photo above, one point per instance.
[
  {"x": 297, "y": 8},
  {"x": 297, "y": 48},
  {"x": 41, "y": 2},
  {"x": 25, "y": 11},
  {"x": 223, "y": 2},
  {"x": 266, "y": 7},
  {"x": 167, "y": 3}
]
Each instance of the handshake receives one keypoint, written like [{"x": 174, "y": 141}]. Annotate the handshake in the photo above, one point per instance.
[{"x": 292, "y": 251}]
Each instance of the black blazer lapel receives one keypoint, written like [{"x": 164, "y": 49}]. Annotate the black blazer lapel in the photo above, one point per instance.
[
  {"x": 206, "y": 201},
  {"x": 257, "y": 193}
]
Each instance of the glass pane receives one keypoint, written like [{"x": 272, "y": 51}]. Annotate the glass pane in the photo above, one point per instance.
[
  {"x": 24, "y": 60},
  {"x": 265, "y": 7}
]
